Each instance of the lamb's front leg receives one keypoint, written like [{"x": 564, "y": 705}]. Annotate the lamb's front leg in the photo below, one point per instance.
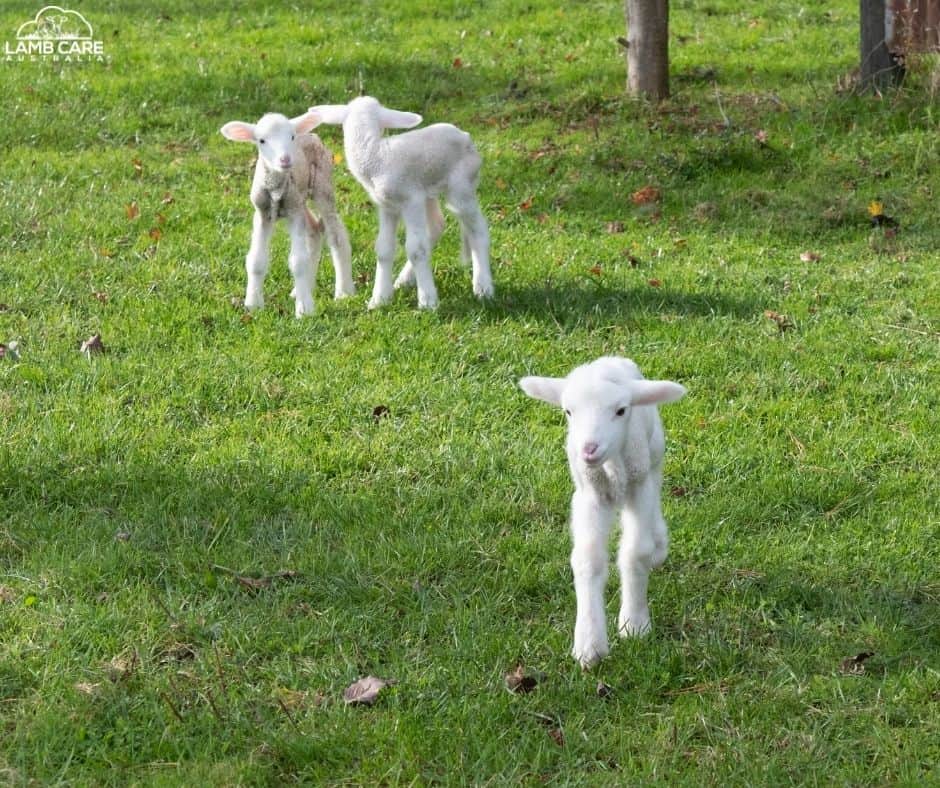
[
  {"x": 302, "y": 266},
  {"x": 385, "y": 256},
  {"x": 257, "y": 260},
  {"x": 590, "y": 526},
  {"x": 643, "y": 546}
]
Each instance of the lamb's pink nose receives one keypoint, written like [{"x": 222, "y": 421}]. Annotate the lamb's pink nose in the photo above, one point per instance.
[
  {"x": 589, "y": 451},
  {"x": 284, "y": 161}
]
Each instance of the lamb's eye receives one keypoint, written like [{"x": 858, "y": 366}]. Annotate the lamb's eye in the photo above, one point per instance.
[
  {"x": 291, "y": 137},
  {"x": 621, "y": 411},
  {"x": 567, "y": 413},
  {"x": 261, "y": 141}
]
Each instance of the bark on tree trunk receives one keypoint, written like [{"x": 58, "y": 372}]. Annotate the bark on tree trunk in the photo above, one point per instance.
[
  {"x": 877, "y": 69},
  {"x": 648, "y": 48}
]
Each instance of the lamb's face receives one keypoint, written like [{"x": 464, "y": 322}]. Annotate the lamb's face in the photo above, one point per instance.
[
  {"x": 275, "y": 137},
  {"x": 598, "y": 412}
]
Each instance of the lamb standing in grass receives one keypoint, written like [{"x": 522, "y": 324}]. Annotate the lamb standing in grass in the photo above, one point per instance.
[
  {"x": 404, "y": 175},
  {"x": 615, "y": 452},
  {"x": 292, "y": 166}
]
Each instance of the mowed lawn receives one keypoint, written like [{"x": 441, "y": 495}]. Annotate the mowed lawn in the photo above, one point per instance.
[{"x": 210, "y": 530}]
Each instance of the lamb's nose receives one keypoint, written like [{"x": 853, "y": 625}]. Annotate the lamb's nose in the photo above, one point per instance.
[
  {"x": 285, "y": 161},
  {"x": 589, "y": 450}
]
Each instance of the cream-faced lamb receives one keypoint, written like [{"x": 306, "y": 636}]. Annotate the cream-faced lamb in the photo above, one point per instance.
[
  {"x": 292, "y": 166},
  {"x": 615, "y": 452},
  {"x": 404, "y": 176}
]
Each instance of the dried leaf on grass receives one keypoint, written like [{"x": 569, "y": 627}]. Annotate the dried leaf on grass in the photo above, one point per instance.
[
  {"x": 604, "y": 690},
  {"x": 365, "y": 691},
  {"x": 520, "y": 682},
  {"x": 783, "y": 322},
  {"x": 645, "y": 195},
  {"x": 92, "y": 345},
  {"x": 855, "y": 666},
  {"x": 132, "y": 210},
  {"x": 87, "y": 687},
  {"x": 810, "y": 257}
]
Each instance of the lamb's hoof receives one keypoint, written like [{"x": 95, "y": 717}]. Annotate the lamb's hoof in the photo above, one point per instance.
[
  {"x": 404, "y": 282},
  {"x": 589, "y": 654},
  {"x": 377, "y": 303},
  {"x": 427, "y": 301},
  {"x": 254, "y": 301},
  {"x": 634, "y": 627},
  {"x": 483, "y": 290},
  {"x": 303, "y": 310},
  {"x": 344, "y": 292}
]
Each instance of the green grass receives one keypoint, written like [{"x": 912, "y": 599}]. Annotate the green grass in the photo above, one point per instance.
[{"x": 432, "y": 544}]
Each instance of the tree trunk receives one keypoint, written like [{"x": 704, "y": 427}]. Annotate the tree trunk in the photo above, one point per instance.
[
  {"x": 648, "y": 48},
  {"x": 877, "y": 69}
]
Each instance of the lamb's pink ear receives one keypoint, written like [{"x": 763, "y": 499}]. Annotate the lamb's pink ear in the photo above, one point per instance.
[
  {"x": 331, "y": 114},
  {"x": 303, "y": 123},
  {"x": 546, "y": 389},
  {"x": 238, "y": 131},
  {"x": 655, "y": 392},
  {"x": 393, "y": 119}
]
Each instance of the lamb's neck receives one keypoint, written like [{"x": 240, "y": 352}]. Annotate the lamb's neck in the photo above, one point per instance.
[
  {"x": 366, "y": 149},
  {"x": 275, "y": 181}
]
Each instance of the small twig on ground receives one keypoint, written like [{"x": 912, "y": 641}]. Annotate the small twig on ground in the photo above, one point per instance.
[
  {"x": 721, "y": 109},
  {"x": 173, "y": 708},
  {"x": 287, "y": 712}
]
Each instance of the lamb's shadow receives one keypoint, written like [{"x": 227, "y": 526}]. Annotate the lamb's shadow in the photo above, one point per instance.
[{"x": 592, "y": 303}]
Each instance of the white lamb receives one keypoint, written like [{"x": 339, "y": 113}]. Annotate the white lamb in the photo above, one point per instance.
[
  {"x": 292, "y": 166},
  {"x": 404, "y": 176},
  {"x": 615, "y": 452}
]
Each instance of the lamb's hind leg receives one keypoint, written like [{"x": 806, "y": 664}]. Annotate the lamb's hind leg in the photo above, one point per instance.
[
  {"x": 338, "y": 240},
  {"x": 643, "y": 547},
  {"x": 303, "y": 265},
  {"x": 385, "y": 256},
  {"x": 475, "y": 236},
  {"x": 435, "y": 228}
]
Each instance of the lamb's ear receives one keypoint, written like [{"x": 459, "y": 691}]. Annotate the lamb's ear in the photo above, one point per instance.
[
  {"x": 393, "y": 119},
  {"x": 546, "y": 389},
  {"x": 331, "y": 114},
  {"x": 655, "y": 392},
  {"x": 238, "y": 131},
  {"x": 303, "y": 123}
]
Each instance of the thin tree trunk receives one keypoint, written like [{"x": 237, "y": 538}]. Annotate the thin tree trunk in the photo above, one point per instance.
[
  {"x": 877, "y": 69},
  {"x": 647, "y": 48}
]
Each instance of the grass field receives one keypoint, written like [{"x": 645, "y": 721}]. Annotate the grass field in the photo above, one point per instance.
[{"x": 150, "y": 495}]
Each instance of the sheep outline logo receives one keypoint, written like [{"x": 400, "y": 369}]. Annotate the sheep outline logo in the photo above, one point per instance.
[{"x": 55, "y": 34}]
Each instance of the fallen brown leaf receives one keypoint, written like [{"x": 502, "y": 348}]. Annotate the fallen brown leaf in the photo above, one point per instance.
[
  {"x": 6, "y": 594},
  {"x": 654, "y": 283},
  {"x": 123, "y": 536},
  {"x": 810, "y": 257},
  {"x": 557, "y": 736},
  {"x": 380, "y": 411},
  {"x": 525, "y": 204},
  {"x": 100, "y": 295},
  {"x": 458, "y": 63},
  {"x": 253, "y": 583},
  {"x": 783, "y": 322},
  {"x": 645, "y": 195},
  {"x": 519, "y": 682},
  {"x": 92, "y": 345},
  {"x": 132, "y": 210},
  {"x": 138, "y": 166},
  {"x": 167, "y": 198},
  {"x": 155, "y": 233},
  {"x": 678, "y": 491},
  {"x": 87, "y": 687},
  {"x": 596, "y": 270},
  {"x": 122, "y": 666},
  {"x": 365, "y": 691},
  {"x": 855, "y": 666},
  {"x": 614, "y": 227}
]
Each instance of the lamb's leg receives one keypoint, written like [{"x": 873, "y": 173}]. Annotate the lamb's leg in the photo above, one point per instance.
[
  {"x": 302, "y": 267},
  {"x": 418, "y": 247},
  {"x": 590, "y": 526},
  {"x": 643, "y": 546},
  {"x": 257, "y": 260},
  {"x": 475, "y": 235},
  {"x": 436, "y": 228},
  {"x": 338, "y": 240},
  {"x": 385, "y": 254}
]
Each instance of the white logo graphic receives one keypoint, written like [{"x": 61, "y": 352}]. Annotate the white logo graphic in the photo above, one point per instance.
[{"x": 56, "y": 34}]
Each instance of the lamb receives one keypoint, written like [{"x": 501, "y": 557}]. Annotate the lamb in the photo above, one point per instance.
[
  {"x": 615, "y": 452},
  {"x": 404, "y": 175},
  {"x": 292, "y": 166}
]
